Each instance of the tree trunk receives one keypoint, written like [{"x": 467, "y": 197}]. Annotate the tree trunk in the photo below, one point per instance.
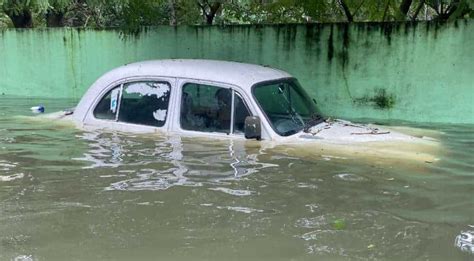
[
  {"x": 405, "y": 7},
  {"x": 385, "y": 12},
  {"x": 454, "y": 10},
  {"x": 54, "y": 19},
  {"x": 346, "y": 10},
  {"x": 22, "y": 19},
  {"x": 210, "y": 19},
  {"x": 209, "y": 11},
  {"x": 213, "y": 9},
  {"x": 172, "y": 6},
  {"x": 418, "y": 9}
]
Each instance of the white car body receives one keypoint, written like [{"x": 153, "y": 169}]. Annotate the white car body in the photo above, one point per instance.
[{"x": 240, "y": 78}]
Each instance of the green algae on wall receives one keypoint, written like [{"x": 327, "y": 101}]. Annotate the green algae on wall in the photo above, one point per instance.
[{"x": 407, "y": 71}]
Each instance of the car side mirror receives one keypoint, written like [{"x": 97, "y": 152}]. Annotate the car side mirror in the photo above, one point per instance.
[{"x": 253, "y": 128}]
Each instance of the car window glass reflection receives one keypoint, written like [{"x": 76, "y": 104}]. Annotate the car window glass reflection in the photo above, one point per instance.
[
  {"x": 108, "y": 106},
  {"x": 240, "y": 113},
  {"x": 206, "y": 108},
  {"x": 145, "y": 103}
]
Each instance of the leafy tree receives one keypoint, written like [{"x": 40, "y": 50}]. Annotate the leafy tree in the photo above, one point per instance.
[
  {"x": 56, "y": 12},
  {"x": 21, "y": 11},
  {"x": 132, "y": 14},
  {"x": 4, "y": 20},
  {"x": 209, "y": 9},
  {"x": 450, "y": 9},
  {"x": 185, "y": 12},
  {"x": 94, "y": 13},
  {"x": 282, "y": 11},
  {"x": 136, "y": 13}
]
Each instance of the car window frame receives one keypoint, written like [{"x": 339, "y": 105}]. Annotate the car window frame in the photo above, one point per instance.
[
  {"x": 272, "y": 127},
  {"x": 236, "y": 90},
  {"x": 102, "y": 96},
  {"x": 114, "y": 124},
  {"x": 122, "y": 89},
  {"x": 234, "y": 93}
]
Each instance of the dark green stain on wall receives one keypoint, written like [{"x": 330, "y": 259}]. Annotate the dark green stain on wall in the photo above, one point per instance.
[
  {"x": 313, "y": 36},
  {"x": 379, "y": 99},
  {"x": 344, "y": 57},
  {"x": 330, "y": 47}
]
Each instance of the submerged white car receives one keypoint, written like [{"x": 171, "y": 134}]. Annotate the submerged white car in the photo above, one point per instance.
[{"x": 209, "y": 98}]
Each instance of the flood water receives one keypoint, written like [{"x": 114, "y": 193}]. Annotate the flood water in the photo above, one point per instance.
[{"x": 67, "y": 194}]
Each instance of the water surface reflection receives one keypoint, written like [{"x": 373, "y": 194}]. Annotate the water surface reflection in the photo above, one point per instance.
[
  {"x": 161, "y": 162},
  {"x": 67, "y": 194}
]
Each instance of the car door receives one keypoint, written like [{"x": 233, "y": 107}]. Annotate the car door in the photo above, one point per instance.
[
  {"x": 210, "y": 109},
  {"x": 134, "y": 104}
]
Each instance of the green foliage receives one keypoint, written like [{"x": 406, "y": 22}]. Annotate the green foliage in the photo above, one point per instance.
[
  {"x": 136, "y": 13},
  {"x": 59, "y": 5},
  {"x": 4, "y": 21},
  {"x": 132, "y": 14},
  {"x": 253, "y": 13},
  {"x": 187, "y": 13},
  {"x": 18, "y": 6},
  {"x": 450, "y": 9}
]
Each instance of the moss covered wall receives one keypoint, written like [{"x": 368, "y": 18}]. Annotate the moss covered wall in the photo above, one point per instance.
[{"x": 420, "y": 72}]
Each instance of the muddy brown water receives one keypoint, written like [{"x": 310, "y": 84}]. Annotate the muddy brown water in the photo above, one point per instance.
[{"x": 67, "y": 194}]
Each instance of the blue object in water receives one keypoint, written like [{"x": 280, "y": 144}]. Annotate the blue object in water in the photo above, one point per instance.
[{"x": 38, "y": 109}]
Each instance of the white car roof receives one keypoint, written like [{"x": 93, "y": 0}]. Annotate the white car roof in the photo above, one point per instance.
[{"x": 235, "y": 73}]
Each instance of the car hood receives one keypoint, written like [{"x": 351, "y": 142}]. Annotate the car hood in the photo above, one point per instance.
[{"x": 340, "y": 131}]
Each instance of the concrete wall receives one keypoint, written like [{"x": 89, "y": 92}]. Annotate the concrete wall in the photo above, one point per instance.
[{"x": 421, "y": 72}]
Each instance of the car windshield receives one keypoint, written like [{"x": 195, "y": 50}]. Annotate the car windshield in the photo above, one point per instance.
[{"x": 287, "y": 106}]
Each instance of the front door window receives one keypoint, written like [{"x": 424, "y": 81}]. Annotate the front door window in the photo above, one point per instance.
[
  {"x": 209, "y": 109},
  {"x": 240, "y": 113}
]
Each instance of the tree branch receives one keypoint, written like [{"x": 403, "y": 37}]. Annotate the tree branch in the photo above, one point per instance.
[
  {"x": 405, "y": 6},
  {"x": 346, "y": 10},
  {"x": 385, "y": 11},
  {"x": 433, "y": 6},
  {"x": 209, "y": 10},
  {"x": 358, "y": 8},
  {"x": 418, "y": 9}
]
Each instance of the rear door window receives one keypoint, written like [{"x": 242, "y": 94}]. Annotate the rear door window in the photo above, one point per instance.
[
  {"x": 145, "y": 103},
  {"x": 108, "y": 107}
]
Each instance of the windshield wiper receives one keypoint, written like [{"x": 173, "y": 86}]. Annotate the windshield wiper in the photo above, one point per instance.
[
  {"x": 289, "y": 133},
  {"x": 313, "y": 121}
]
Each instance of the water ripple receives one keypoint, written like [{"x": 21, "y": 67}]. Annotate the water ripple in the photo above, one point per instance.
[
  {"x": 245, "y": 210},
  {"x": 12, "y": 177},
  {"x": 350, "y": 177},
  {"x": 233, "y": 192},
  {"x": 362, "y": 230},
  {"x": 170, "y": 161}
]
